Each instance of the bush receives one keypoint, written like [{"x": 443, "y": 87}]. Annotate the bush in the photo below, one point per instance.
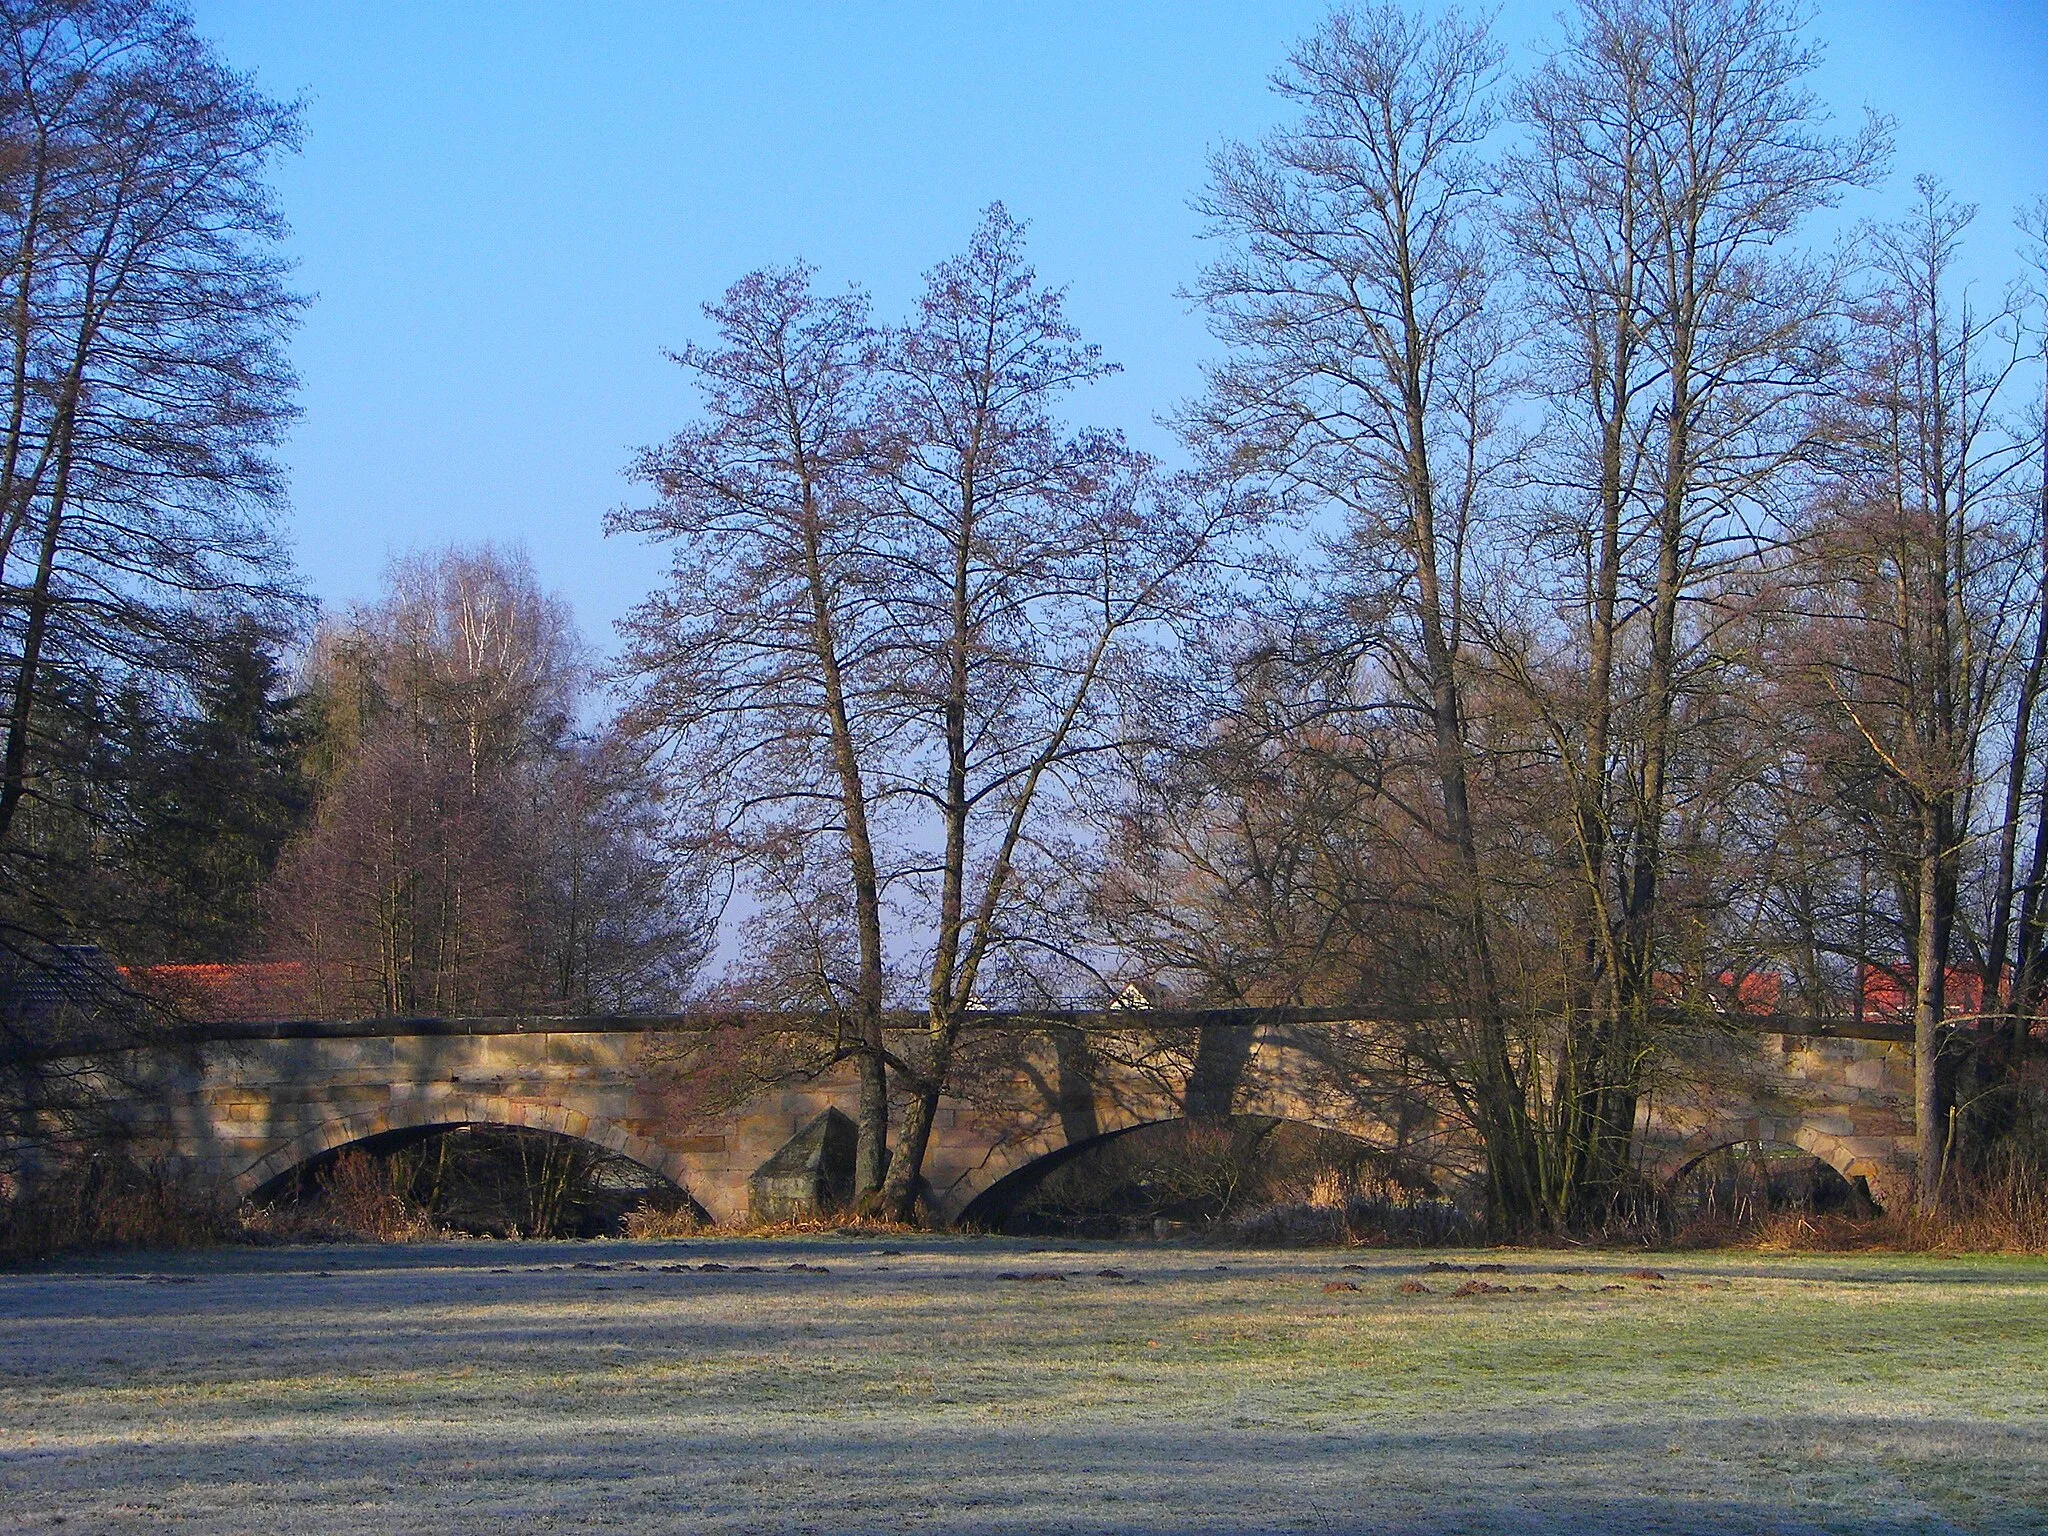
[
  {"x": 2003, "y": 1209},
  {"x": 358, "y": 1197},
  {"x": 105, "y": 1200}
]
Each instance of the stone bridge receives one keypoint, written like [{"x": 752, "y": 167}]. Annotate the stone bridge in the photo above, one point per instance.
[{"x": 240, "y": 1109}]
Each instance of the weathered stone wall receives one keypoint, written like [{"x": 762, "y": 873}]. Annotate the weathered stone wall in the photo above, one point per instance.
[
  {"x": 1848, "y": 1102},
  {"x": 234, "y": 1116}
]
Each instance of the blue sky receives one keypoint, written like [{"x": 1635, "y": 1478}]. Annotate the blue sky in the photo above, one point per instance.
[{"x": 507, "y": 211}]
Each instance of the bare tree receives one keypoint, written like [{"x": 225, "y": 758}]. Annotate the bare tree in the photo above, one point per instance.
[
  {"x": 1673, "y": 146},
  {"x": 900, "y": 598},
  {"x": 1030, "y": 570},
  {"x": 1913, "y": 561},
  {"x": 143, "y": 389},
  {"x": 1365, "y": 377},
  {"x": 479, "y": 656},
  {"x": 2017, "y": 914},
  {"x": 145, "y": 378},
  {"x": 765, "y": 662},
  {"x": 465, "y": 653},
  {"x": 406, "y": 897},
  {"x": 472, "y": 854},
  {"x": 623, "y": 915}
]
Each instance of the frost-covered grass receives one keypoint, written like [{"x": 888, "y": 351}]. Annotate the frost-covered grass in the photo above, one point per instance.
[{"x": 503, "y": 1388}]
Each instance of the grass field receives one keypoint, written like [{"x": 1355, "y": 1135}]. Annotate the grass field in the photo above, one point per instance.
[{"x": 500, "y": 1387}]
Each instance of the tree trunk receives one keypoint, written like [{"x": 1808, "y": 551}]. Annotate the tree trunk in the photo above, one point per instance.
[
  {"x": 904, "y": 1182},
  {"x": 872, "y": 1111},
  {"x": 21, "y": 709},
  {"x": 1930, "y": 1112},
  {"x": 871, "y": 1151}
]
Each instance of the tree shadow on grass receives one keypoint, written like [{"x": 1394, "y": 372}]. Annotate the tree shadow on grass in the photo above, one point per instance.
[{"x": 754, "y": 1472}]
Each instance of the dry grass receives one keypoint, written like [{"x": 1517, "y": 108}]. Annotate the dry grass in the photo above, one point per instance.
[
  {"x": 652, "y": 1224},
  {"x": 366, "y": 1195},
  {"x": 828, "y": 1224},
  {"x": 2005, "y": 1212},
  {"x": 361, "y": 1199},
  {"x": 110, "y": 1204},
  {"x": 107, "y": 1205},
  {"x": 106, "y": 1202},
  {"x": 1985, "y": 1231}
]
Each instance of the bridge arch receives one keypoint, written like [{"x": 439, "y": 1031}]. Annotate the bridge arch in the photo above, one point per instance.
[
  {"x": 987, "y": 1201},
  {"x": 1822, "y": 1142},
  {"x": 515, "y": 1113}
]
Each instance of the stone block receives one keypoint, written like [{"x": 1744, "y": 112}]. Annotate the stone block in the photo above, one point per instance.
[
  {"x": 421, "y": 1093},
  {"x": 1832, "y": 1124},
  {"x": 1864, "y": 1074},
  {"x": 608, "y": 1051},
  {"x": 285, "y": 1061},
  {"x": 446, "y": 1058},
  {"x": 809, "y": 1174},
  {"x": 341, "y": 1097},
  {"x": 605, "y": 1106}
]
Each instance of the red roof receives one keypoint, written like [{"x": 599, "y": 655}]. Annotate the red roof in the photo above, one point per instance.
[
  {"x": 241, "y": 993},
  {"x": 1758, "y": 992},
  {"x": 1888, "y": 991}
]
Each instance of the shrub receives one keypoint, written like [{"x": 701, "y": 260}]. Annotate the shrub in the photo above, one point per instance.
[
  {"x": 105, "y": 1200},
  {"x": 2003, "y": 1209},
  {"x": 359, "y": 1197}
]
